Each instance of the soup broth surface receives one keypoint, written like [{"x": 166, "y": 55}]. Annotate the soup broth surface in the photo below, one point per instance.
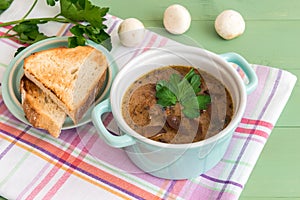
[{"x": 169, "y": 125}]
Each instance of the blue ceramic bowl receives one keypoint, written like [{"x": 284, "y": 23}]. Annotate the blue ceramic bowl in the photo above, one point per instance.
[
  {"x": 14, "y": 72},
  {"x": 176, "y": 161}
]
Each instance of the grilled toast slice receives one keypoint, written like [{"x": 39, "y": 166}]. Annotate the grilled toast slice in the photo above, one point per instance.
[
  {"x": 71, "y": 77},
  {"x": 40, "y": 110}
]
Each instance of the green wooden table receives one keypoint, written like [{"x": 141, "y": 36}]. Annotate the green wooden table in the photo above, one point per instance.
[{"x": 272, "y": 38}]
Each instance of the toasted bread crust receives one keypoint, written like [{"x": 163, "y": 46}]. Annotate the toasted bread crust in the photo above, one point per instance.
[
  {"x": 90, "y": 98},
  {"x": 60, "y": 73},
  {"x": 39, "y": 109}
]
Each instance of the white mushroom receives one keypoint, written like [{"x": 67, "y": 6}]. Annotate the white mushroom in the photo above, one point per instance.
[
  {"x": 230, "y": 24},
  {"x": 177, "y": 19},
  {"x": 131, "y": 32}
]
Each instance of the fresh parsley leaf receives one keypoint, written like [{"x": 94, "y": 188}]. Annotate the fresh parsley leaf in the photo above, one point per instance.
[
  {"x": 51, "y": 2},
  {"x": 77, "y": 30},
  {"x": 165, "y": 97},
  {"x": 19, "y": 50},
  {"x": 87, "y": 20},
  {"x": 194, "y": 80},
  {"x": 195, "y": 83},
  {"x": 189, "y": 75},
  {"x": 81, "y": 32},
  {"x": 160, "y": 84},
  {"x": 106, "y": 42},
  {"x": 76, "y": 41},
  {"x": 203, "y": 101},
  {"x": 173, "y": 84},
  {"x": 190, "y": 107},
  {"x": 185, "y": 91},
  {"x": 28, "y": 31},
  {"x": 83, "y": 10},
  {"x": 4, "y": 4}
]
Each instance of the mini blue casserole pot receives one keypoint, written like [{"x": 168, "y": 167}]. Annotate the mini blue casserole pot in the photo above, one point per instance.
[{"x": 175, "y": 161}]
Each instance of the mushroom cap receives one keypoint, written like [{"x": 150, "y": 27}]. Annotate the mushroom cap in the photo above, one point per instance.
[
  {"x": 229, "y": 24},
  {"x": 177, "y": 19},
  {"x": 131, "y": 32}
]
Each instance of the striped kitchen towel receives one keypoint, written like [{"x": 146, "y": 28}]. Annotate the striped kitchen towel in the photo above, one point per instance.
[{"x": 79, "y": 165}]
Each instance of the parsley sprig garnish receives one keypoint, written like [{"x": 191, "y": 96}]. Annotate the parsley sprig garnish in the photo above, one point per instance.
[
  {"x": 87, "y": 20},
  {"x": 185, "y": 91},
  {"x": 4, "y": 4}
]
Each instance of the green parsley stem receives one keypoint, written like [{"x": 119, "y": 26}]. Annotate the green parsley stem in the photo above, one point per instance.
[
  {"x": 8, "y": 36},
  {"x": 31, "y": 8},
  {"x": 48, "y": 19}
]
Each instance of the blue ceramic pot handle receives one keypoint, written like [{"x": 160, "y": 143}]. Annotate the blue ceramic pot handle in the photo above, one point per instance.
[
  {"x": 112, "y": 140},
  {"x": 245, "y": 66}
]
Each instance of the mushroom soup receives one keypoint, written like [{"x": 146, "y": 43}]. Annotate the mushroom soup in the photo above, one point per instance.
[{"x": 178, "y": 105}]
